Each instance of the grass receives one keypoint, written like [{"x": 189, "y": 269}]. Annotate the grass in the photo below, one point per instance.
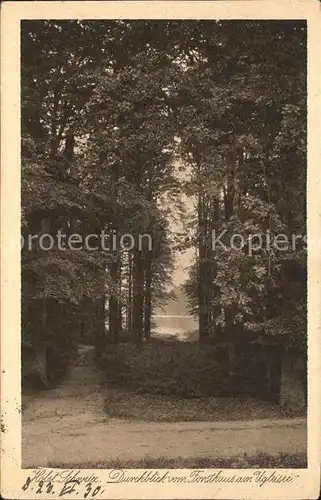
[{"x": 259, "y": 461}]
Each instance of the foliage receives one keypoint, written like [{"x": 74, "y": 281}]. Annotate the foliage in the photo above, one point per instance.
[
  {"x": 93, "y": 152},
  {"x": 112, "y": 113},
  {"x": 181, "y": 369},
  {"x": 244, "y": 135}
]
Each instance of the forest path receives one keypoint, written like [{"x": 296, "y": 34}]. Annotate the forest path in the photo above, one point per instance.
[{"x": 67, "y": 425}]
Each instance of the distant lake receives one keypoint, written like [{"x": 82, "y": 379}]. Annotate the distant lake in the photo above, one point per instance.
[{"x": 175, "y": 326}]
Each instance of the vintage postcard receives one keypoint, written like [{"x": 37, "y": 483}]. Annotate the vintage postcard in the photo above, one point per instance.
[{"x": 160, "y": 249}]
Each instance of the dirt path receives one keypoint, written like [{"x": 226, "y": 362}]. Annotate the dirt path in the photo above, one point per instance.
[{"x": 67, "y": 425}]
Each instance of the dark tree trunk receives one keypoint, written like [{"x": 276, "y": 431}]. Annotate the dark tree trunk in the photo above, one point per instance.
[
  {"x": 138, "y": 298},
  {"x": 114, "y": 303},
  {"x": 203, "y": 301},
  {"x": 100, "y": 330},
  {"x": 214, "y": 289},
  {"x": 114, "y": 266},
  {"x": 129, "y": 312},
  {"x": 148, "y": 300},
  {"x": 119, "y": 301}
]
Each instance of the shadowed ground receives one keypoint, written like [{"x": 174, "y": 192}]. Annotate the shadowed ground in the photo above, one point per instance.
[{"x": 69, "y": 425}]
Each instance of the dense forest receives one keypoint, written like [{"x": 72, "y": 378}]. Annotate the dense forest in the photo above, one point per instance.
[{"x": 118, "y": 120}]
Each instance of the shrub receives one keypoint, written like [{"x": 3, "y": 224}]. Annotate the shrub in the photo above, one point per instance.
[{"x": 175, "y": 368}]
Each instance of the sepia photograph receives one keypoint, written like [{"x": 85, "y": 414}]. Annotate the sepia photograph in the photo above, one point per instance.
[
  {"x": 160, "y": 250},
  {"x": 163, "y": 261}
]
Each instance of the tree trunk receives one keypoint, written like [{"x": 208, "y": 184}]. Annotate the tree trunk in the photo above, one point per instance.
[
  {"x": 119, "y": 301},
  {"x": 100, "y": 331},
  {"x": 293, "y": 376},
  {"x": 138, "y": 298},
  {"x": 114, "y": 323},
  {"x": 148, "y": 300},
  {"x": 203, "y": 301},
  {"x": 129, "y": 312}
]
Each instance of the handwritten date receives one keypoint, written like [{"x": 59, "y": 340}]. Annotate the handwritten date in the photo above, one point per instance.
[{"x": 67, "y": 488}]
